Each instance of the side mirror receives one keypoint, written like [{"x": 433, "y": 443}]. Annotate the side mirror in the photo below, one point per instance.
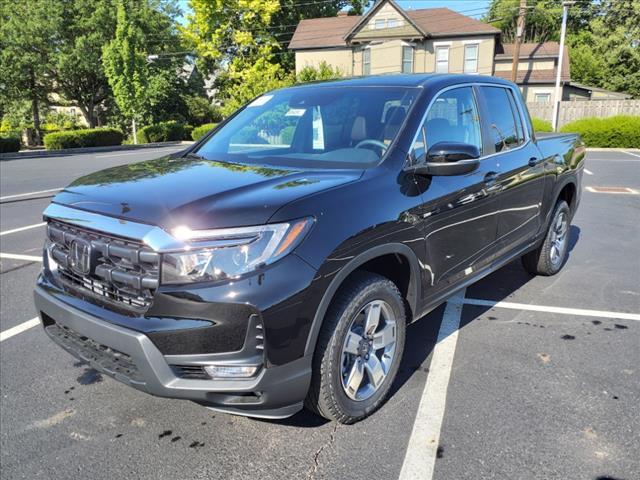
[{"x": 449, "y": 158}]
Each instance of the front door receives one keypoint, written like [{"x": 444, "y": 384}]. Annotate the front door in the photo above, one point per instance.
[{"x": 459, "y": 213}]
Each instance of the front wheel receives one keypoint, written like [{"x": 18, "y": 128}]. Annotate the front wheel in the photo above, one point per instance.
[
  {"x": 359, "y": 349},
  {"x": 549, "y": 258}
]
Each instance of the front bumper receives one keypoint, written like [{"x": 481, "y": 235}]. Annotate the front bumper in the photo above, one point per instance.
[{"x": 131, "y": 357}]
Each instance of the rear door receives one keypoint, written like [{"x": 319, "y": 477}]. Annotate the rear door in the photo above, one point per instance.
[
  {"x": 458, "y": 216},
  {"x": 519, "y": 163}
]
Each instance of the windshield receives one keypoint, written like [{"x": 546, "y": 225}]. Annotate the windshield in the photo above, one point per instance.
[{"x": 315, "y": 126}]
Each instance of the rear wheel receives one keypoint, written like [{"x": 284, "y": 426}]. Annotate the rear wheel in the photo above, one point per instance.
[
  {"x": 549, "y": 258},
  {"x": 359, "y": 349}
]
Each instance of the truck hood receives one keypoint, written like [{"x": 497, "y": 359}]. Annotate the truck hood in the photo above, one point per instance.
[{"x": 201, "y": 194}]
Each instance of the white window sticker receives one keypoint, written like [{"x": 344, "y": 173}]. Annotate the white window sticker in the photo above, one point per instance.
[
  {"x": 295, "y": 112},
  {"x": 258, "y": 102}
]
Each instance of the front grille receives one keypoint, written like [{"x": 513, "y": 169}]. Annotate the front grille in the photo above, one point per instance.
[
  {"x": 122, "y": 273},
  {"x": 103, "y": 358}
]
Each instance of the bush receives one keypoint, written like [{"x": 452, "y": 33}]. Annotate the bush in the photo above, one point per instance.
[
  {"x": 9, "y": 144},
  {"x": 188, "y": 129},
  {"x": 93, "y": 137},
  {"x": 202, "y": 130},
  {"x": 540, "y": 125},
  {"x": 620, "y": 131},
  {"x": 170, "y": 131}
]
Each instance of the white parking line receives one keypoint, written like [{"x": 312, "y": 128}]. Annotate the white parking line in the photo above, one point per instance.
[
  {"x": 15, "y": 256},
  {"x": 612, "y": 190},
  {"x": 631, "y": 153},
  {"x": 420, "y": 458},
  {"x": 21, "y": 229},
  {"x": 588, "y": 172},
  {"x": 19, "y": 329},
  {"x": 562, "y": 310},
  {"x": 28, "y": 194}
]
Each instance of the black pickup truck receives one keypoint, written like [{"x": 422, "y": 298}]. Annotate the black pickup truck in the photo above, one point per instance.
[{"x": 277, "y": 262}]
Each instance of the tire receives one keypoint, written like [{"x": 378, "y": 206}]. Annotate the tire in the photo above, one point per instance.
[
  {"x": 337, "y": 364},
  {"x": 549, "y": 258}
]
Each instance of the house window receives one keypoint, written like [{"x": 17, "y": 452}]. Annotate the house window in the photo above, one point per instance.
[
  {"x": 366, "y": 61},
  {"x": 442, "y": 59},
  {"x": 541, "y": 97},
  {"x": 379, "y": 23},
  {"x": 407, "y": 59},
  {"x": 393, "y": 23},
  {"x": 471, "y": 58}
]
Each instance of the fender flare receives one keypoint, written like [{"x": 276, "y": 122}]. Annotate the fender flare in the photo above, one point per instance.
[{"x": 413, "y": 291}]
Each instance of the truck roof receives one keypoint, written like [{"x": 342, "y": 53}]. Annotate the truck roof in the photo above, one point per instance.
[{"x": 416, "y": 80}]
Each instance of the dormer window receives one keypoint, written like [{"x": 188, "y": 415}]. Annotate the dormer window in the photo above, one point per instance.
[
  {"x": 379, "y": 23},
  {"x": 393, "y": 23}
]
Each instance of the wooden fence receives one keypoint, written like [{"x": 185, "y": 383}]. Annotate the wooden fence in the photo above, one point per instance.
[{"x": 577, "y": 109}]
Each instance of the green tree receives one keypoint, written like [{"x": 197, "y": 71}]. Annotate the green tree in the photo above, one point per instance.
[
  {"x": 323, "y": 72},
  {"x": 125, "y": 65},
  {"x": 85, "y": 26},
  {"x": 26, "y": 50}
]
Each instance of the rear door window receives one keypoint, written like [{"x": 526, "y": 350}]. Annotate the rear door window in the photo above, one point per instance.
[{"x": 504, "y": 121}]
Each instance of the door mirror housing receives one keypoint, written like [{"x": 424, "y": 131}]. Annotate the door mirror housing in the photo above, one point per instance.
[{"x": 448, "y": 158}]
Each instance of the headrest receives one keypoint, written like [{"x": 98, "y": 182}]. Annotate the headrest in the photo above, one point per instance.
[{"x": 359, "y": 129}]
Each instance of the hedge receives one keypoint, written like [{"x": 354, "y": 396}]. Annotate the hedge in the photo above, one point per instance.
[
  {"x": 170, "y": 131},
  {"x": 540, "y": 125},
  {"x": 620, "y": 131},
  {"x": 9, "y": 144},
  {"x": 91, "y": 137},
  {"x": 202, "y": 130}
]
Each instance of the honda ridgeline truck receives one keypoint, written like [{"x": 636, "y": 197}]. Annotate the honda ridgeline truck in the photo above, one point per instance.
[{"x": 277, "y": 262}]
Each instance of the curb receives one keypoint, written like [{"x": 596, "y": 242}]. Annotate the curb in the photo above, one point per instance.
[
  {"x": 596, "y": 149},
  {"x": 68, "y": 151}
]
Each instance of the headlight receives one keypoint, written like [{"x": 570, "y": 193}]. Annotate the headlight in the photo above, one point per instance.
[{"x": 230, "y": 252}]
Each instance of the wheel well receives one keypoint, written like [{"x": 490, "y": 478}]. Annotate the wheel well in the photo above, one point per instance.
[
  {"x": 568, "y": 194},
  {"x": 396, "y": 268}
]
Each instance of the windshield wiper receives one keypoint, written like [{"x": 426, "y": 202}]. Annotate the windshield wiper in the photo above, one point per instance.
[{"x": 194, "y": 155}]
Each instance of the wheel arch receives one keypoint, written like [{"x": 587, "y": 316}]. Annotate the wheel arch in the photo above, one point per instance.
[{"x": 411, "y": 291}]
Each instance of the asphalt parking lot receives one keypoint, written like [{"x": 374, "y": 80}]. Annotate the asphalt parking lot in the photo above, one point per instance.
[{"x": 522, "y": 378}]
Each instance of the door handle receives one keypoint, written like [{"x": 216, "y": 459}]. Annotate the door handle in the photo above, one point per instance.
[
  {"x": 533, "y": 161},
  {"x": 490, "y": 178}
]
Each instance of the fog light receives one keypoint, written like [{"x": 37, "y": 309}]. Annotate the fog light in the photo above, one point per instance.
[{"x": 231, "y": 371}]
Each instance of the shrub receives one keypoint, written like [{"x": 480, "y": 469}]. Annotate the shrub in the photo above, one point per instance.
[
  {"x": 202, "y": 130},
  {"x": 540, "y": 125},
  {"x": 9, "y": 144},
  {"x": 620, "y": 131},
  {"x": 161, "y": 132},
  {"x": 93, "y": 137},
  {"x": 188, "y": 129}
]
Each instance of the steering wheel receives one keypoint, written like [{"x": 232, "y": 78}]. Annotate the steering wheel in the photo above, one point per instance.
[{"x": 371, "y": 141}]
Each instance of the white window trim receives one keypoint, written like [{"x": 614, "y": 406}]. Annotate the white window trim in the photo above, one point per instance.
[
  {"x": 464, "y": 57},
  {"x": 368, "y": 47},
  {"x": 413, "y": 57},
  {"x": 448, "y": 57},
  {"x": 442, "y": 44}
]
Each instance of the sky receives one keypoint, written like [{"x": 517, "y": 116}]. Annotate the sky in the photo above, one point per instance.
[{"x": 472, "y": 8}]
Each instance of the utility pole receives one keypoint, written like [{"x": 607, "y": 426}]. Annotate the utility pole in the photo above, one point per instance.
[
  {"x": 518, "y": 40},
  {"x": 557, "y": 97}
]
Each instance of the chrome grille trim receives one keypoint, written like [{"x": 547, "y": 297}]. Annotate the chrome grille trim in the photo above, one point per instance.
[{"x": 125, "y": 273}]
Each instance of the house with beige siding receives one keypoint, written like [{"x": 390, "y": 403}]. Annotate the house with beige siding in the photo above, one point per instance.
[{"x": 389, "y": 39}]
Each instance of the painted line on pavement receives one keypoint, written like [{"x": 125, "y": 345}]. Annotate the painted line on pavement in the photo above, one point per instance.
[
  {"x": 23, "y": 327},
  {"x": 612, "y": 190},
  {"x": 422, "y": 450},
  {"x": 588, "y": 172},
  {"x": 21, "y": 229},
  {"x": 631, "y": 153},
  {"x": 547, "y": 309},
  {"x": 15, "y": 256},
  {"x": 28, "y": 194}
]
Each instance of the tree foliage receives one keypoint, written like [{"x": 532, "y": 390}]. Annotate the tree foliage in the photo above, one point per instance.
[{"x": 603, "y": 37}]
